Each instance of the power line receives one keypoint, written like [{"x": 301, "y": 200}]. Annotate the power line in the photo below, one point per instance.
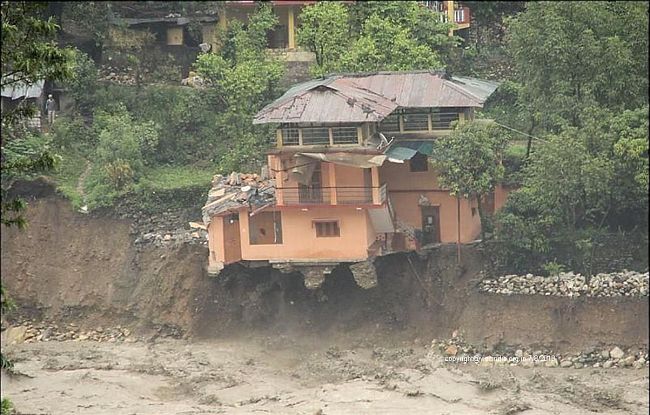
[{"x": 520, "y": 132}]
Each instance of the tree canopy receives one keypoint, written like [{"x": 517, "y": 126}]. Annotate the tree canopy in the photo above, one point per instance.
[
  {"x": 570, "y": 56},
  {"x": 468, "y": 161},
  {"x": 241, "y": 80},
  {"x": 372, "y": 36}
]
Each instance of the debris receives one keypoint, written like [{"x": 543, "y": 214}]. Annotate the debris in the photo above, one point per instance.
[
  {"x": 616, "y": 353},
  {"x": 364, "y": 274},
  {"x": 237, "y": 190},
  {"x": 196, "y": 225},
  {"x": 567, "y": 284}
]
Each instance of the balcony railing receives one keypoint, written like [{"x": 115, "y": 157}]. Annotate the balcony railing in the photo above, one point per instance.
[
  {"x": 340, "y": 195},
  {"x": 461, "y": 15}
]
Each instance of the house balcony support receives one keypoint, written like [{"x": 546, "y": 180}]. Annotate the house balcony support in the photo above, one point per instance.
[{"x": 331, "y": 196}]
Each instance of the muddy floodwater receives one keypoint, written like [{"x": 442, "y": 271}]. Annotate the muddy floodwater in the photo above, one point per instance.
[{"x": 295, "y": 375}]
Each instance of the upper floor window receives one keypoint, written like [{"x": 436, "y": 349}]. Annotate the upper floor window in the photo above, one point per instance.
[
  {"x": 321, "y": 135},
  {"x": 420, "y": 119},
  {"x": 390, "y": 123},
  {"x": 344, "y": 135},
  {"x": 290, "y": 136},
  {"x": 416, "y": 120},
  {"x": 312, "y": 136}
]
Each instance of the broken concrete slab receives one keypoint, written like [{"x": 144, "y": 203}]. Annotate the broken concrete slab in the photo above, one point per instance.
[
  {"x": 364, "y": 274},
  {"x": 315, "y": 275}
]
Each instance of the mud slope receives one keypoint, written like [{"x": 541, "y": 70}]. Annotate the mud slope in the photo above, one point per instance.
[
  {"x": 78, "y": 267},
  {"x": 66, "y": 264}
]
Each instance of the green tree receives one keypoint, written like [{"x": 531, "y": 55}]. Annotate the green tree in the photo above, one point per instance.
[
  {"x": 580, "y": 185},
  {"x": 82, "y": 84},
  {"x": 384, "y": 45},
  {"x": 560, "y": 50},
  {"x": 240, "y": 81},
  {"x": 469, "y": 161},
  {"x": 372, "y": 36},
  {"x": 324, "y": 30},
  {"x": 29, "y": 54},
  {"x": 126, "y": 143}
]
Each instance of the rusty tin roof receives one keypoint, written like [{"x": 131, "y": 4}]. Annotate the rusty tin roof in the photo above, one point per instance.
[
  {"x": 333, "y": 99},
  {"x": 371, "y": 97}
]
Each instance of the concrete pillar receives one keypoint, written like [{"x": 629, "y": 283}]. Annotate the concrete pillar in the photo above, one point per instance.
[
  {"x": 375, "y": 185},
  {"x": 279, "y": 183},
  {"x": 450, "y": 15},
  {"x": 332, "y": 182},
  {"x": 291, "y": 17}
]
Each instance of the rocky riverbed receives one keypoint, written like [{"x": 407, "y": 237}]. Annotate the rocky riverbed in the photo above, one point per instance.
[
  {"x": 567, "y": 284},
  {"x": 456, "y": 350}
]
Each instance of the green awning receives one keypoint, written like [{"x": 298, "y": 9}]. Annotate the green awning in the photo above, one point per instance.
[{"x": 405, "y": 150}]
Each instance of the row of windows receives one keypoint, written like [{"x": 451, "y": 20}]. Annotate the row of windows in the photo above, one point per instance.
[
  {"x": 313, "y": 136},
  {"x": 266, "y": 228},
  {"x": 425, "y": 119}
]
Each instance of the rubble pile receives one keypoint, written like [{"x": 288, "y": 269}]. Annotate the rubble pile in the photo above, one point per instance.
[
  {"x": 456, "y": 350},
  {"x": 410, "y": 238},
  {"x": 237, "y": 190},
  {"x": 194, "y": 236},
  {"x": 122, "y": 76},
  {"x": 567, "y": 284},
  {"x": 33, "y": 332}
]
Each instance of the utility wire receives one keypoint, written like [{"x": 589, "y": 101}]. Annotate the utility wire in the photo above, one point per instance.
[{"x": 520, "y": 132}]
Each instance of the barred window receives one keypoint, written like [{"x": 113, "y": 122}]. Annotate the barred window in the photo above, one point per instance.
[
  {"x": 327, "y": 229},
  {"x": 345, "y": 135},
  {"x": 390, "y": 123},
  {"x": 441, "y": 118},
  {"x": 315, "y": 136},
  {"x": 290, "y": 136},
  {"x": 416, "y": 121}
]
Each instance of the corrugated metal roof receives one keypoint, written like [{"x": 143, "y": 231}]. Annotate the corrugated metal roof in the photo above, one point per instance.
[
  {"x": 478, "y": 87},
  {"x": 333, "y": 100},
  {"x": 20, "y": 89},
  {"x": 405, "y": 150},
  {"x": 371, "y": 97},
  {"x": 419, "y": 89}
]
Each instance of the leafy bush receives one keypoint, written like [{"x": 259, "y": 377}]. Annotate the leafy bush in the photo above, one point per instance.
[
  {"x": 83, "y": 83},
  {"x": 553, "y": 269},
  {"x": 241, "y": 81},
  {"x": 514, "y": 159},
  {"x": 124, "y": 148},
  {"x": 74, "y": 134},
  {"x": 7, "y": 407}
]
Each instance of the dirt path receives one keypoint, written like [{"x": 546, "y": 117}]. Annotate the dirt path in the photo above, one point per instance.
[
  {"x": 82, "y": 180},
  {"x": 297, "y": 375}
]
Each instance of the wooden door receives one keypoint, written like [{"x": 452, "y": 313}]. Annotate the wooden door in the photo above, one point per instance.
[
  {"x": 231, "y": 239},
  {"x": 430, "y": 224}
]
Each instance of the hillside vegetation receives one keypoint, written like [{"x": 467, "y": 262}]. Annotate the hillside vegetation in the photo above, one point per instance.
[{"x": 574, "y": 96}]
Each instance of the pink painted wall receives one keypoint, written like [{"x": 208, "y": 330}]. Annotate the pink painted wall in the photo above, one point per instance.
[
  {"x": 299, "y": 241},
  {"x": 404, "y": 190}
]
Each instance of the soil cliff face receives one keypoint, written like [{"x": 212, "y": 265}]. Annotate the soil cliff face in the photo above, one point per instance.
[
  {"x": 67, "y": 264},
  {"x": 86, "y": 268}
]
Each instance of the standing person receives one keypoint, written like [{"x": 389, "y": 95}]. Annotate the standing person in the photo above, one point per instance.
[{"x": 50, "y": 107}]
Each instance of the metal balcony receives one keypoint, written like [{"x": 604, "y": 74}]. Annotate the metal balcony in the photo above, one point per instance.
[{"x": 339, "y": 195}]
